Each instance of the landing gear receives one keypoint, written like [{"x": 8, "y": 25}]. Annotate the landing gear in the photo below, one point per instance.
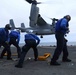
[{"x": 41, "y": 36}]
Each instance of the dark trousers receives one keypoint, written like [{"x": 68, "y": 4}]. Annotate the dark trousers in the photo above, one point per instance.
[
  {"x": 14, "y": 42},
  {"x": 6, "y": 49},
  {"x": 29, "y": 44},
  {"x": 61, "y": 46}
]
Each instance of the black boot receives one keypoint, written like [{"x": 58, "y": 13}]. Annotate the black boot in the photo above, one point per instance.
[
  {"x": 18, "y": 66},
  {"x": 54, "y": 63},
  {"x": 9, "y": 58},
  {"x": 66, "y": 60}
]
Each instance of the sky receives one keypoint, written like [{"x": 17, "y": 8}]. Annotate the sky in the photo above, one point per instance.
[{"x": 19, "y": 11}]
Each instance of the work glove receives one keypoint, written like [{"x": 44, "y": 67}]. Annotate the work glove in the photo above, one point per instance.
[{"x": 67, "y": 30}]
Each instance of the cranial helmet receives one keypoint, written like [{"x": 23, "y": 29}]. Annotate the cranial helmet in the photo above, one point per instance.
[
  {"x": 68, "y": 17},
  {"x": 7, "y": 26}
]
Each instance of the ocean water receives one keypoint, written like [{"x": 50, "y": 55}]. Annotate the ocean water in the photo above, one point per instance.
[{"x": 52, "y": 44}]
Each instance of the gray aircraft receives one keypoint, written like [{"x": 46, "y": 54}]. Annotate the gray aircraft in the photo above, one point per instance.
[{"x": 37, "y": 24}]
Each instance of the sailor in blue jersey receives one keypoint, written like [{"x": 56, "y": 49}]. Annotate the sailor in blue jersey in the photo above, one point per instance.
[
  {"x": 31, "y": 41},
  {"x": 62, "y": 27},
  {"x": 14, "y": 39},
  {"x": 4, "y": 41}
]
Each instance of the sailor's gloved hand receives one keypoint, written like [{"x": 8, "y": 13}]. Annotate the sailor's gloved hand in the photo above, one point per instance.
[
  {"x": 67, "y": 30},
  {"x": 66, "y": 40}
]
